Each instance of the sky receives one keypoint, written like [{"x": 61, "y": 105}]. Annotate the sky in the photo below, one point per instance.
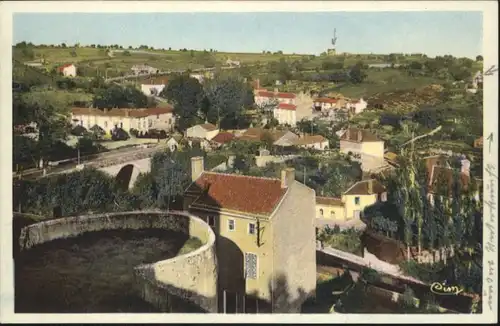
[{"x": 433, "y": 33}]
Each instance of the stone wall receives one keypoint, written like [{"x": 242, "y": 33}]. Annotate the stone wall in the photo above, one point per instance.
[{"x": 191, "y": 277}]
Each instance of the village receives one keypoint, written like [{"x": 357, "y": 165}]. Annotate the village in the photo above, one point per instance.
[{"x": 302, "y": 193}]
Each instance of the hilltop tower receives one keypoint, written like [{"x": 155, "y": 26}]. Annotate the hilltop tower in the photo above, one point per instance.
[{"x": 333, "y": 51}]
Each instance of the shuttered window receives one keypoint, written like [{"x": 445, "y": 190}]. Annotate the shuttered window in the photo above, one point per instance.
[{"x": 251, "y": 265}]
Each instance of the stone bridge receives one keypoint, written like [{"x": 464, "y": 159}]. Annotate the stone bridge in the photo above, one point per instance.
[{"x": 128, "y": 171}]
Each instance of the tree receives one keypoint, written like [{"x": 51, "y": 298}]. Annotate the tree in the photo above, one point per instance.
[
  {"x": 120, "y": 97},
  {"x": 227, "y": 98},
  {"x": 357, "y": 74},
  {"x": 479, "y": 58},
  {"x": 50, "y": 115},
  {"x": 186, "y": 94}
]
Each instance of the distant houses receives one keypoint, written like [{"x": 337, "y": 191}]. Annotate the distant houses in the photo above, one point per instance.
[
  {"x": 144, "y": 69},
  {"x": 67, "y": 70},
  {"x": 347, "y": 211},
  {"x": 330, "y": 106},
  {"x": 205, "y": 131}
]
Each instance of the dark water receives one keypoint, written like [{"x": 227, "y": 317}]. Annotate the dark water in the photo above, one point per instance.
[{"x": 91, "y": 273}]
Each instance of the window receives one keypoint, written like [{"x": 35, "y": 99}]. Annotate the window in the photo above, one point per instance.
[
  {"x": 251, "y": 228},
  {"x": 157, "y": 116},
  {"x": 356, "y": 200},
  {"x": 250, "y": 266},
  {"x": 211, "y": 221},
  {"x": 144, "y": 124},
  {"x": 230, "y": 225},
  {"x": 105, "y": 124},
  {"x": 150, "y": 123},
  {"x": 321, "y": 211},
  {"x": 81, "y": 122},
  {"x": 170, "y": 121},
  {"x": 121, "y": 124},
  {"x": 332, "y": 214}
]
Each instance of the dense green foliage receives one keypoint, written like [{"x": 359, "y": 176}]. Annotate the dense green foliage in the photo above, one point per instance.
[{"x": 221, "y": 101}]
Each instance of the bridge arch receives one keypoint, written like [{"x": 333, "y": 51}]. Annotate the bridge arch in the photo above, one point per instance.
[{"x": 127, "y": 175}]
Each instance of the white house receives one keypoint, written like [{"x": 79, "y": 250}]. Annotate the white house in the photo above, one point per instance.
[
  {"x": 139, "y": 119},
  {"x": 173, "y": 143},
  {"x": 144, "y": 69},
  {"x": 153, "y": 87},
  {"x": 365, "y": 145},
  {"x": 68, "y": 70},
  {"x": 312, "y": 141},
  {"x": 203, "y": 131},
  {"x": 357, "y": 106},
  {"x": 286, "y": 114},
  {"x": 231, "y": 63}
]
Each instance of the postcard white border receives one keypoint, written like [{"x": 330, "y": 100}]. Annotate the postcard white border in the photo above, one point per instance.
[{"x": 490, "y": 54}]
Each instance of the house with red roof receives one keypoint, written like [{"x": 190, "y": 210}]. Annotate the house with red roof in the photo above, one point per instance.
[
  {"x": 222, "y": 138},
  {"x": 285, "y": 113},
  {"x": 67, "y": 70},
  {"x": 265, "y": 237}
]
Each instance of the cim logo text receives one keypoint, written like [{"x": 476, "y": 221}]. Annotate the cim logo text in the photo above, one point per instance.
[{"x": 443, "y": 289}]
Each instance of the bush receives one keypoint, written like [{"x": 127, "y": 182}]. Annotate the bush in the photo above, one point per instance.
[
  {"x": 134, "y": 132},
  {"x": 119, "y": 134},
  {"x": 78, "y": 131}
]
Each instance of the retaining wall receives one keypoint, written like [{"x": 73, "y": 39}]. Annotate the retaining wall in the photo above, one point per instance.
[{"x": 191, "y": 277}]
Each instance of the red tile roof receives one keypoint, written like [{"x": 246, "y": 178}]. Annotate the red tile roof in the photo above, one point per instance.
[
  {"x": 135, "y": 113},
  {"x": 223, "y": 137},
  {"x": 309, "y": 139},
  {"x": 286, "y": 106},
  {"x": 61, "y": 68},
  {"x": 253, "y": 195}
]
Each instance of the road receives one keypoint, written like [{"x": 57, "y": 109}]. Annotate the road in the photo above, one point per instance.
[
  {"x": 166, "y": 72},
  {"x": 91, "y": 160}
]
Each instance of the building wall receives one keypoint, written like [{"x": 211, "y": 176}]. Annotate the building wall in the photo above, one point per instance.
[
  {"x": 108, "y": 123},
  {"x": 69, "y": 71},
  {"x": 339, "y": 212},
  {"x": 231, "y": 249},
  {"x": 319, "y": 146},
  {"x": 191, "y": 277},
  {"x": 373, "y": 148},
  {"x": 349, "y": 146},
  {"x": 364, "y": 201},
  {"x": 285, "y": 116},
  {"x": 294, "y": 242},
  {"x": 146, "y": 89}
]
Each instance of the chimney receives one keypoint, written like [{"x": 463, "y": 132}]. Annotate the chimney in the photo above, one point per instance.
[
  {"x": 360, "y": 136},
  {"x": 197, "y": 167},
  {"x": 465, "y": 167},
  {"x": 370, "y": 186},
  {"x": 287, "y": 177}
]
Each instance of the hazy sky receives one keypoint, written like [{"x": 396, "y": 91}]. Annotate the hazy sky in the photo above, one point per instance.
[{"x": 432, "y": 33}]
